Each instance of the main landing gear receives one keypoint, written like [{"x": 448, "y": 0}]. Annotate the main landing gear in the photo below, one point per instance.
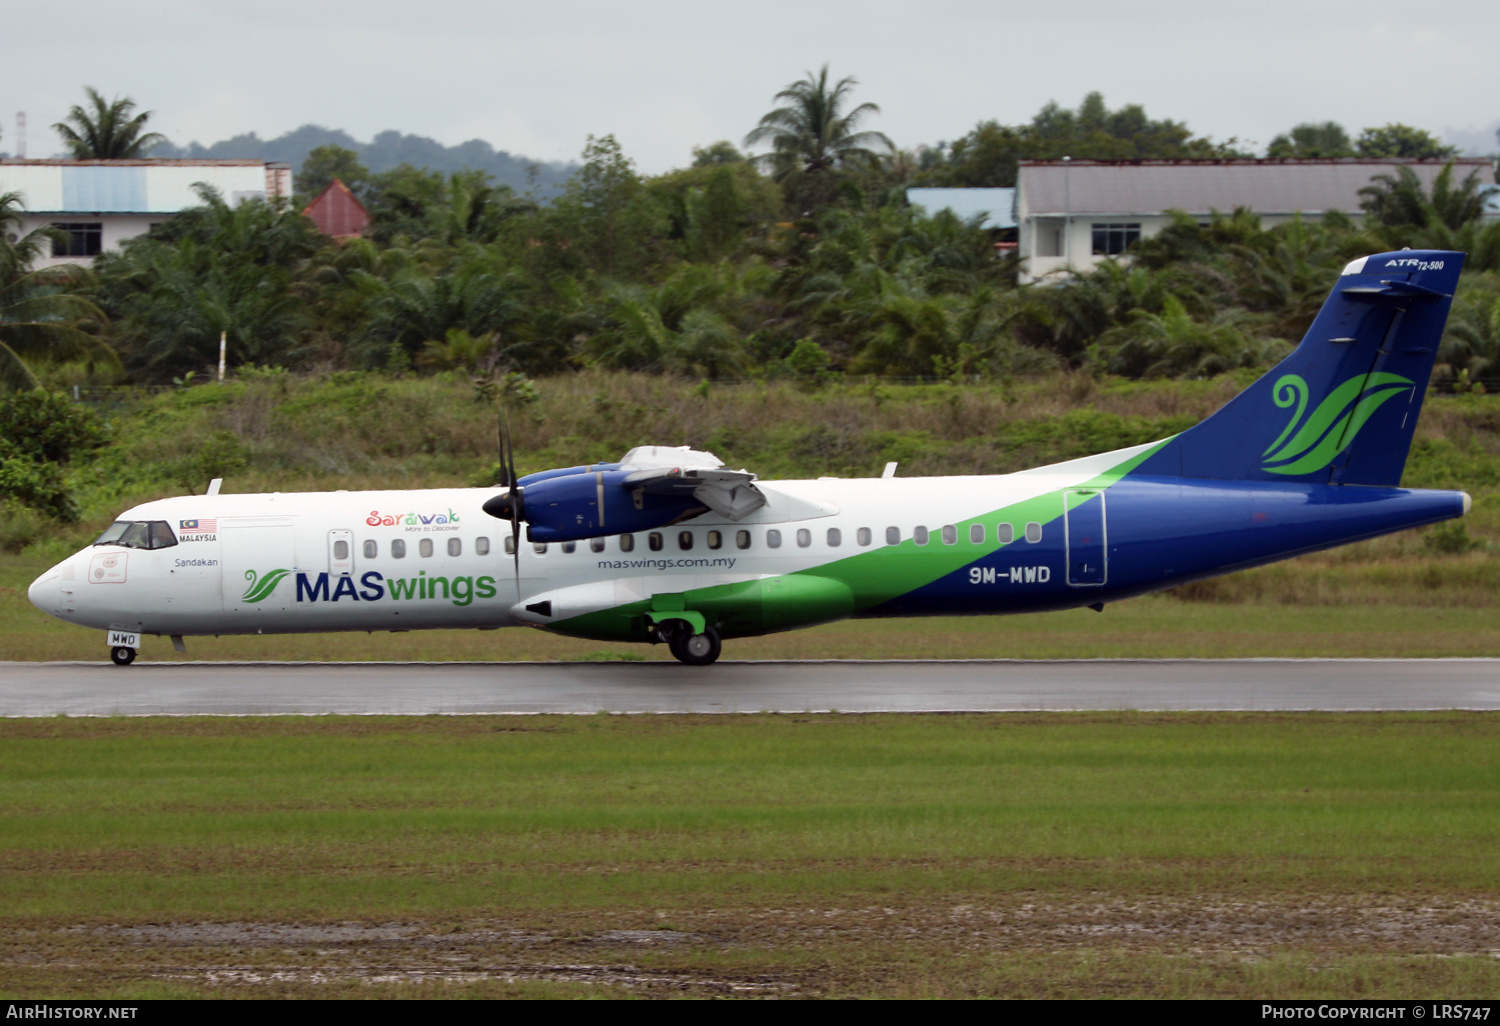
[
  {"x": 697, "y": 649},
  {"x": 122, "y": 656}
]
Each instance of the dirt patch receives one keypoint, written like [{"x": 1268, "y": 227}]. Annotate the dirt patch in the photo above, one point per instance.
[{"x": 985, "y": 947}]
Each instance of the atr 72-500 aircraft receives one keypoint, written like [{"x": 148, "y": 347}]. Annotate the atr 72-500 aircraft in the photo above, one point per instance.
[{"x": 667, "y": 545}]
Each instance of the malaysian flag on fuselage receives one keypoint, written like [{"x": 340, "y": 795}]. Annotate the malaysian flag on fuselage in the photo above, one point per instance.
[{"x": 198, "y": 526}]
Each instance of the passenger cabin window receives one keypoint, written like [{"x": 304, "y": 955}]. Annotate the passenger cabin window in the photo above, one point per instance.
[
  {"x": 919, "y": 535},
  {"x": 950, "y": 534},
  {"x": 398, "y": 548},
  {"x": 773, "y": 539},
  {"x": 155, "y": 534},
  {"x": 481, "y": 546},
  {"x": 455, "y": 547},
  {"x": 715, "y": 539},
  {"x": 1033, "y": 532},
  {"x": 684, "y": 540},
  {"x": 893, "y": 536},
  {"x": 863, "y": 536},
  {"x": 570, "y": 546},
  {"x": 1005, "y": 534},
  {"x": 540, "y": 548},
  {"x": 424, "y": 547},
  {"x": 510, "y": 545},
  {"x": 742, "y": 539},
  {"x": 596, "y": 544},
  {"x": 341, "y": 549},
  {"x": 976, "y": 534},
  {"x": 654, "y": 541},
  {"x": 804, "y": 537},
  {"x": 371, "y": 549},
  {"x": 627, "y": 543},
  {"x": 835, "y": 537}
]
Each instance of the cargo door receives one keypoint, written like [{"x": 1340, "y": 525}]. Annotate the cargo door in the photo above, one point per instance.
[{"x": 259, "y": 567}]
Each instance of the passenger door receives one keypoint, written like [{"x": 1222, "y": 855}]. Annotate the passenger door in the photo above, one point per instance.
[{"x": 1084, "y": 532}]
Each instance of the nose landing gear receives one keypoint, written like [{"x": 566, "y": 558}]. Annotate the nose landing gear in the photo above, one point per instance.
[{"x": 120, "y": 655}]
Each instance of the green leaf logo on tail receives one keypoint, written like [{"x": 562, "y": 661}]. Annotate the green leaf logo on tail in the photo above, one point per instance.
[
  {"x": 260, "y": 587},
  {"x": 1306, "y": 446}
]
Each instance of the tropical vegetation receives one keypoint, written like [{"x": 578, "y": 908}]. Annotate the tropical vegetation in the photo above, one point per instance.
[{"x": 795, "y": 257}]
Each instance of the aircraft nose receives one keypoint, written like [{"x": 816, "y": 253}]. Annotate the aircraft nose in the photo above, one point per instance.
[{"x": 44, "y": 591}]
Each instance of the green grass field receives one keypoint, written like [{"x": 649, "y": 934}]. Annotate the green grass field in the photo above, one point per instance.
[{"x": 961, "y": 855}]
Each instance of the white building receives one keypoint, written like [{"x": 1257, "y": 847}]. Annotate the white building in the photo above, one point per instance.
[
  {"x": 100, "y": 203},
  {"x": 1074, "y": 214}
]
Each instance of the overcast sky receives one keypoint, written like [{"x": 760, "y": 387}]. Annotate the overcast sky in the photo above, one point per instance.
[{"x": 664, "y": 75}]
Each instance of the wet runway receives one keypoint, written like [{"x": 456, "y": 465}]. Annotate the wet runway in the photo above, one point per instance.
[{"x": 251, "y": 689}]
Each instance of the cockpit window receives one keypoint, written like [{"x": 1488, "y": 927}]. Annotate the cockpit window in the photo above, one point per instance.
[{"x": 132, "y": 534}]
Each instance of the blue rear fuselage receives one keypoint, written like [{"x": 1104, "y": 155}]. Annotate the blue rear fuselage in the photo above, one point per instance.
[{"x": 1148, "y": 533}]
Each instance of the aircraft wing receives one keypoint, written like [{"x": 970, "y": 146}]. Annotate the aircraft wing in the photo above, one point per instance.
[{"x": 730, "y": 493}]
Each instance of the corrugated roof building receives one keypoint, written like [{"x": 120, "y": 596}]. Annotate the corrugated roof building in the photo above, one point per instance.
[
  {"x": 337, "y": 212},
  {"x": 100, "y": 203},
  {"x": 997, "y": 205},
  {"x": 1073, "y": 214}
]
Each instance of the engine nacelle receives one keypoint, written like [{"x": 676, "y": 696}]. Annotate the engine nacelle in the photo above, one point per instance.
[
  {"x": 547, "y": 475},
  {"x": 573, "y": 507}
]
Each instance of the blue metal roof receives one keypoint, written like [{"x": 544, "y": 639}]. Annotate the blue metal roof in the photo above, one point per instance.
[{"x": 998, "y": 205}]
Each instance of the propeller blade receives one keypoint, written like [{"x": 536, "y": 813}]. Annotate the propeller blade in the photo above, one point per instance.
[
  {"x": 517, "y": 503},
  {"x": 500, "y": 446}
]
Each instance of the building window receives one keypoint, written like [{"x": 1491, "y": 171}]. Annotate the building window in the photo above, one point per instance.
[
  {"x": 85, "y": 239},
  {"x": 1112, "y": 239}
]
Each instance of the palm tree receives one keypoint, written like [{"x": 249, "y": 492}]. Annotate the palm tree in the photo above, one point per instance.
[
  {"x": 39, "y": 309},
  {"x": 812, "y": 137},
  {"x": 108, "y": 132}
]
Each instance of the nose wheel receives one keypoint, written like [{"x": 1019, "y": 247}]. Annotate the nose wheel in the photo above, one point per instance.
[
  {"x": 122, "y": 656},
  {"x": 697, "y": 649}
]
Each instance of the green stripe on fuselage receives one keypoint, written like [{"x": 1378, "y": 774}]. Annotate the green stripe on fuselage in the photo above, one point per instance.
[{"x": 842, "y": 587}]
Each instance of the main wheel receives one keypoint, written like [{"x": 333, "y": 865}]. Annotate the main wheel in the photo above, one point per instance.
[
  {"x": 122, "y": 656},
  {"x": 697, "y": 649}
]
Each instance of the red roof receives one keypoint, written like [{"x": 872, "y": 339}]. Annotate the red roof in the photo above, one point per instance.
[{"x": 337, "y": 212}]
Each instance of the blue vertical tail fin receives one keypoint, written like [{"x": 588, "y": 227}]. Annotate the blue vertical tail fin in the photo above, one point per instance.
[{"x": 1342, "y": 407}]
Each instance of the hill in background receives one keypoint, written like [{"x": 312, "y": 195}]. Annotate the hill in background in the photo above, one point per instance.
[{"x": 387, "y": 150}]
